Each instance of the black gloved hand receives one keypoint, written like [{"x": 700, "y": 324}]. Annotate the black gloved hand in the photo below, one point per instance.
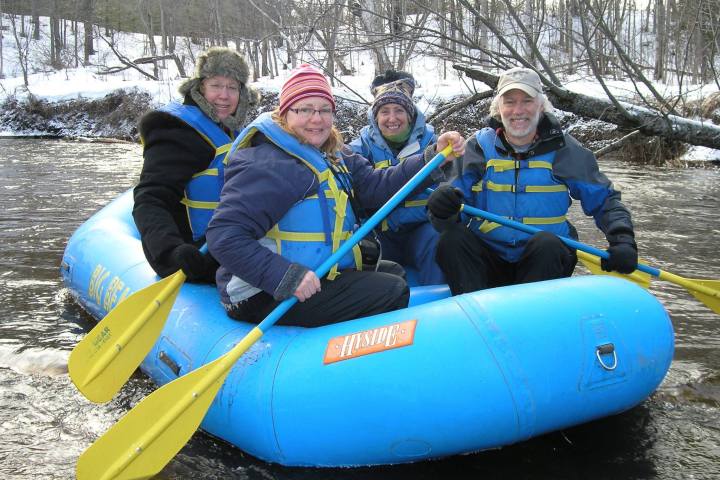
[
  {"x": 623, "y": 258},
  {"x": 445, "y": 201},
  {"x": 194, "y": 264}
]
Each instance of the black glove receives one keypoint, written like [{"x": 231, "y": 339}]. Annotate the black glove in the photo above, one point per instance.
[
  {"x": 445, "y": 201},
  {"x": 194, "y": 264},
  {"x": 623, "y": 258}
]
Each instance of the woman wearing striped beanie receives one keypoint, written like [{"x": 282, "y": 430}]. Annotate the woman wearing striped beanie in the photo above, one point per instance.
[{"x": 293, "y": 194}]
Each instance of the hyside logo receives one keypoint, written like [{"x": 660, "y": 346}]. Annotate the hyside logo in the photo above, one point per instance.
[{"x": 375, "y": 340}]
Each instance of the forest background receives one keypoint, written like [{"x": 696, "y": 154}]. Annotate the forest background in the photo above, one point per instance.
[{"x": 661, "y": 55}]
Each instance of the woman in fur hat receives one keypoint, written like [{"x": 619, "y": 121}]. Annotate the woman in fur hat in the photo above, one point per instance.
[
  {"x": 397, "y": 130},
  {"x": 293, "y": 194},
  {"x": 184, "y": 145}
]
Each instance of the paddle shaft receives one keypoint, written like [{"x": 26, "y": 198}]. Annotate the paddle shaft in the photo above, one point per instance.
[
  {"x": 662, "y": 275},
  {"x": 217, "y": 370}
]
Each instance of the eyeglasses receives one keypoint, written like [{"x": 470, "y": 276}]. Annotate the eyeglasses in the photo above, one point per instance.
[
  {"x": 219, "y": 87},
  {"x": 306, "y": 113}
]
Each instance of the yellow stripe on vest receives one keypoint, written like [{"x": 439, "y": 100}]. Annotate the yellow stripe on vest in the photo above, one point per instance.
[
  {"x": 501, "y": 187},
  {"x": 487, "y": 226},
  {"x": 544, "y": 220},
  {"x": 199, "y": 204},
  {"x": 545, "y": 188},
  {"x": 277, "y": 234},
  {"x": 500, "y": 165},
  {"x": 210, "y": 172}
]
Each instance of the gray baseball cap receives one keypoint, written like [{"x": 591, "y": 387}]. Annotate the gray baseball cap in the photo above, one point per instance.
[{"x": 521, "y": 78}]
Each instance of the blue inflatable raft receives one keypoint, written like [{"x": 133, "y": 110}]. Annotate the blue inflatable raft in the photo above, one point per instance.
[{"x": 447, "y": 375}]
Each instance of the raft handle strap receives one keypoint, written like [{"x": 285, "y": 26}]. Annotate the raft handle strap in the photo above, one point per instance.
[{"x": 172, "y": 365}]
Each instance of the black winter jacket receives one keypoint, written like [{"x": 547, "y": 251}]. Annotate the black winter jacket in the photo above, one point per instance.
[{"x": 173, "y": 153}]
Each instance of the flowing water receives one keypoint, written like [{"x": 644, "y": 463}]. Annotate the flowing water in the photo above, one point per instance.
[{"x": 47, "y": 188}]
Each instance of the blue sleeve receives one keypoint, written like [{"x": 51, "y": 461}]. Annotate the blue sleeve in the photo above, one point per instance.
[
  {"x": 261, "y": 185},
  {"x": 577, "y": 167},
  {"x": 373, "y": 187}
]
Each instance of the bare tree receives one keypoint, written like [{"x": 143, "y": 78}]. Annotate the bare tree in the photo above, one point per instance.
[
  {"x": 86, "y": 13},
  {"x": 147, "y": 21},
  {"x": 2, "y": 29},
  {"x": 23, "y": 45},
  {"x": 370, "y": 16}
]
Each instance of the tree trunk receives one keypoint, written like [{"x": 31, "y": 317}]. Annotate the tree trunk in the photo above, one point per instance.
[
  {"x": 35, "y": 20},
  {"x": 372, "y": 24},
  {"x": 660, "y": 40},
  {"x": 86, "y": 14},
  {"x": 2, "y": 29},
  {"x": 146, "y": 18},
  {"x": 264, "y": 53}
]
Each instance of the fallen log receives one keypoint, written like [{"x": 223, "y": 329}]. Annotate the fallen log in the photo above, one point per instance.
[{"x": 642, "y": 119}]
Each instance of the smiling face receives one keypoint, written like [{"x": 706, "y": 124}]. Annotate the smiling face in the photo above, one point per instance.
[
  {"x": 520, "y": 114},
  {"x": 223, "y": 93},
  {"x": 392, "y": 119},
  {"x": 311, "y": 127}
]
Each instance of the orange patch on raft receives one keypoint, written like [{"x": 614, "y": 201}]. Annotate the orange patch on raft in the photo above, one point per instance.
[{"x": 375, "y": 340}]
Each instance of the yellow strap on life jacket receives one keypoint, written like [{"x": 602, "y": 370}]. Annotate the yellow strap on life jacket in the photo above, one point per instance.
[
  {"x": 210, "y": 171},
  {"x": 199, "y": 204},
  {"x": 500, "y": 165},
  {"x": 276, "y": 234},
  {"x": 222, "y": 150},
  {"x": 488, "y": 226},
  {"x": 245, "y": 142},
  {"x": 544, "y": 220},
  {"x": 383, "y": 164},
  {"x": 416, "y": 203},
  {"x": 502, "y": 187},
  {"x": 341, "y": 200},
  {"x": 545, "y": 188}
]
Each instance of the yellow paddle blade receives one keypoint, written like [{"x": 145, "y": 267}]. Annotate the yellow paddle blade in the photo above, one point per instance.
[
  {"x": 104, "y": 359},
  {"x": 592, "y": 263},
  {"x": 150, "y": 435},
  {"x": 710, "y": 298}
]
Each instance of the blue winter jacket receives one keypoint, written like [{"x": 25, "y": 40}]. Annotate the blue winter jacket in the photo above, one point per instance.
[
  {"x": 262, "y": 183},
  {"x": 373, "y": 146}
]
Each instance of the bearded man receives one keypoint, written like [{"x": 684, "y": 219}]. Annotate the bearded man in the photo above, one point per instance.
[{"x": 522, "y": 166}]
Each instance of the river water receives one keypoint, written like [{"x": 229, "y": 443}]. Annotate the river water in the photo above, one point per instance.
[{"x": 47, "y": 188}]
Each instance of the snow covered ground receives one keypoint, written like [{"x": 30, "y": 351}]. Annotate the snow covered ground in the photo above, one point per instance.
[{"x": 88, "y": 83}]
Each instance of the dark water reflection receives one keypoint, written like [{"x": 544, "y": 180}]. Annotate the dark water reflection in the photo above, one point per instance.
[{"x": 48, "y": 188}]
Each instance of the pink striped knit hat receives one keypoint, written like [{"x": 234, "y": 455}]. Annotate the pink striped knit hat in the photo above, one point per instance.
[{"x": 305, "y": 81}]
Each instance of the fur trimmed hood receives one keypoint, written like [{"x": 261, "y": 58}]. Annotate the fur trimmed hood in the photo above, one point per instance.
[{"x": 228, "y": 63}]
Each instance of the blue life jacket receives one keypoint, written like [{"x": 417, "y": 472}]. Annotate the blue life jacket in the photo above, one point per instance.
[
  {"x": 202, "y": 192},
  {"x": 522, "y": 190},
  {"x": 302, "y": 236},
  {"x": 372, "y": 145}
]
